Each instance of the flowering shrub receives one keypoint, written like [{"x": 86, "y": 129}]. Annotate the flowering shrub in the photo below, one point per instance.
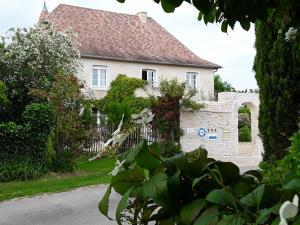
[{"x": 30, "y": 59}]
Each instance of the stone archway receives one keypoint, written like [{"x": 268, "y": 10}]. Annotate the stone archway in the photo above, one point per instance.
[{"x": 252, "y": 101}]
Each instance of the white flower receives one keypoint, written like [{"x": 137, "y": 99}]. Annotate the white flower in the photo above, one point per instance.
[
  {"x": 291, "y": 33},
  {"x": 288, "y": 210}
]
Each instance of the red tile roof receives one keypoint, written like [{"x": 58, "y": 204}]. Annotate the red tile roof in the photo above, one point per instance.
[{"x": 117, "y": 36}]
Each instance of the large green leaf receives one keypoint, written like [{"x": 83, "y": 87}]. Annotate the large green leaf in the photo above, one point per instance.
[
  {"x": 174, "y": 186},
  {"x": 245, "y": 24},
  {"x": 203, "y": 6},
  {"x": 156, "y": 186},
  {"x": 228, "y": 170},
  {"x": 254, "y": 198},
  {"x": 265, "y": 213},
  {"x": 124, "y": 180},
  {"x": 190, "y": 211},
  {"x": 293, "y": 185},
  {"x": 147, "y": 158},
  {"x": 122, "y": 204},
  {"x": 208, "y": 217},
  {"x": 104, "y": 203},
  {"x": 222, "y": 197},
  {"x": 232, "y": 220},
  {"x": 135, "y": 151},
  {"x": 168, "y": 6},
  {"x": 254, "y": 173}
]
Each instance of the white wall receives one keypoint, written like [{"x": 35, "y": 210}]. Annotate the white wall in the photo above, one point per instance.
[{"x": 205, "y": 81}]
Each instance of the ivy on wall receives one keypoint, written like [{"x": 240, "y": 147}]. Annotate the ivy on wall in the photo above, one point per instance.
[{"x": 122, "y": 90}]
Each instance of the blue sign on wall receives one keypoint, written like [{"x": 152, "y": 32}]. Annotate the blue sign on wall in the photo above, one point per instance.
[{"x": 201, "y": 132}]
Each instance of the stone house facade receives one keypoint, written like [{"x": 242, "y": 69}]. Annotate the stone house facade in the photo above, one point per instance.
[{"x": 135, "y": 45}]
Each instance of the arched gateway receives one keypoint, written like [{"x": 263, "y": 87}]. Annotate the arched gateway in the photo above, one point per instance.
[{"x": 216, "y": 129}]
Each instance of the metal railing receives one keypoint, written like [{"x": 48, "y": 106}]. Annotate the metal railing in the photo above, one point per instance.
[{"x": 95, "y": 145}]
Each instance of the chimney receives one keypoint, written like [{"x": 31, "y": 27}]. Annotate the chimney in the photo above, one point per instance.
[
  {"x": 142, "y": 16},
  {"x": 43, "y": 14}
]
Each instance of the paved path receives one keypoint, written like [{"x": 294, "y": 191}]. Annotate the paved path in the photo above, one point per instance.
[{"x": 77, "y": 207}]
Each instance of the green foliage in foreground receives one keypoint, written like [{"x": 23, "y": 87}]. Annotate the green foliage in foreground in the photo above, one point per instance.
[
  {"x": 284, "y": 170},
  {"x": 191, "y": 189},
  {"x": 86, "y": 173}
]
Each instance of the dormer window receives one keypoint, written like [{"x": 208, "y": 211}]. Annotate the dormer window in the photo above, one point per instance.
[
  {"x": 149, "y": 76},
  {"x": 191, "y": 79},
  {"x": 99, "y": 77}
]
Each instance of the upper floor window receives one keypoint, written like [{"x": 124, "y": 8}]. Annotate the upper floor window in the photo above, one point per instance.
[
  {"x": 149, "y": 76},
  {"x": 99, "y": 76},
  {"x": 191, "y": 79}
]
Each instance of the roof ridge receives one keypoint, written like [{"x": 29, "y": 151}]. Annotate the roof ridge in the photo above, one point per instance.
[
  {"x": 93, "y": 9},
  {"x": 121, "y": 37}
]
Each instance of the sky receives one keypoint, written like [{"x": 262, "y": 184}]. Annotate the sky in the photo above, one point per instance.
[{"x": 234, "y": 50}]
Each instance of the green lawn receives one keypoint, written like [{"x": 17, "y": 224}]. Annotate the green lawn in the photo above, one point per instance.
[{"x": 87, "y": 173}]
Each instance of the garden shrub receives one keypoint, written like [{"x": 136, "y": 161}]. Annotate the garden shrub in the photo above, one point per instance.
[
  {"x": 18, "y": 168},
  {"x": 23, "y": 152},
  {"x": 170, "y": 149},
  {"x": 283, "y": 171},
  {"x": 245, "y": 134},
  {"x": 64, "y": 161},
  {"x": 116, "y": 110},
  {"x": 244, "y": 120},
  {"x": 122, "y": 90},
  {"x": 192, "y": 189}
]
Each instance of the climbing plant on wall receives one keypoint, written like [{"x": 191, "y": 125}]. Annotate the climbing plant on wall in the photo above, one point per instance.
[{"x": 122, "y": 91}]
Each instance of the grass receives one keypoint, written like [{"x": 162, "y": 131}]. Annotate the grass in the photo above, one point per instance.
[{"x": 86, "y": 174}]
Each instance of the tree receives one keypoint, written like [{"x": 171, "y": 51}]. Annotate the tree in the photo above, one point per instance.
[
  {"x": 244, "y": 11},
  {"x": 277, "y": 72},
  {"x": 30, "y": 59},
  {"x": 175, "y": 96},
  {"x": 221, "y": 86}
]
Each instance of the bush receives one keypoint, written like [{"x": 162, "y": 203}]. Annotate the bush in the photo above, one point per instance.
[
  {"x": 122, "y": 90},
  {"x": 191, "y": 189},
  {"x": 170, "y": 149},
  {"x": 244, "y": 120},
  {"x": 20, "y": 168},
  {"x": 116, "y": 110},
  {"x": 283, "y": 171},
  {"x": 245, "y": 134},
  {"x": 23, "y": 152},
  {"x": 64, "y": 161}
]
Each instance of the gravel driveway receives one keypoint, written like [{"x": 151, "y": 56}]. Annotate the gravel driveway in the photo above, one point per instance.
[{"x": 76, "y": 207}]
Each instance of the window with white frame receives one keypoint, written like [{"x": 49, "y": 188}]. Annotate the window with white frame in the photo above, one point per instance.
[
  {"x": 191, "y": 79},
  {"x": 99, "y": 77},
  {"x": 149, "y": 75}
]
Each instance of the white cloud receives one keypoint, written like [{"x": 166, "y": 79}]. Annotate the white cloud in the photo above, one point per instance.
[{"x": 234, "y": 51}]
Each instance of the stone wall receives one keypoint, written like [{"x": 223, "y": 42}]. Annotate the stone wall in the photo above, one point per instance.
[{"x": 217, "y": 124}]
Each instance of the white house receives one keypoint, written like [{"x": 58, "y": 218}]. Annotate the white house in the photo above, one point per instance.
[{"x": 135, "y": 45}]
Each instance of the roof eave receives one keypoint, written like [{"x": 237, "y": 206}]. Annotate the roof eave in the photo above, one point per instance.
[{"x": 88, "y": 55}]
